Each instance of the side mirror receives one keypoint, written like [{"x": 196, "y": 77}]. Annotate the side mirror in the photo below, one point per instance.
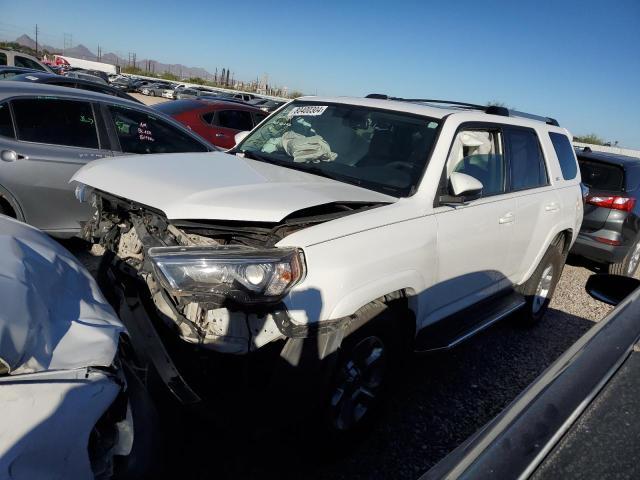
[
  {"x": 240, "y": 136},
  {"x": 611, "y": 289},
  {"x": 462, "y": 188}
]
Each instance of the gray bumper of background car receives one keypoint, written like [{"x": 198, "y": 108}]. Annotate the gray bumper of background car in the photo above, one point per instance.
[{"x": 586, "y": 246}]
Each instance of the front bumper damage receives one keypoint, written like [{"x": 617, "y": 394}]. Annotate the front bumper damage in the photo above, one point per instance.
[{"x": 207, "y": 353}]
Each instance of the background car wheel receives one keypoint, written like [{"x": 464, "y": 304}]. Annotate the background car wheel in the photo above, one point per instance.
[
  {"x": 629, "y": 265},
  {"x": 538, "y": 290}
]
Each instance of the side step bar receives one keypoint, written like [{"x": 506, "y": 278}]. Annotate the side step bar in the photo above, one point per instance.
[{"x": 456, "y": 328}]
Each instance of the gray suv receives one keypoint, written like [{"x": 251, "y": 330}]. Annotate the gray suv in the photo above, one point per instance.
[{"x": 49, "y": 132}]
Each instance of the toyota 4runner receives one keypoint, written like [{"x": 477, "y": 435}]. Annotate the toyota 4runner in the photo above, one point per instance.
[{"x": 336, "y": 234}]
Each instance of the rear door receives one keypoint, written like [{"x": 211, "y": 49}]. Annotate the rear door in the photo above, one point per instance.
[
  {"x": 229, "y": 122},
  {"x": 53, "y": 139},
  {"x": 538, "y": 206},
  {"x": 140, "y": 132}
]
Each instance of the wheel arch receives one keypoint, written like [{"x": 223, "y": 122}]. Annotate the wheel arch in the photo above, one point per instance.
[
  {"x": 8, "y": 200},
  {"x": 563, "y": 236}
]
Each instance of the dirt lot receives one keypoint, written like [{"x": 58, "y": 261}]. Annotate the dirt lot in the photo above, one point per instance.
[{"x": 437, "y": 402}]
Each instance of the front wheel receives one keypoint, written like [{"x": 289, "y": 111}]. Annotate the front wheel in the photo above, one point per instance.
[
  {"x": 539, "y": 289},
  {"x": 361, "y": 375}
]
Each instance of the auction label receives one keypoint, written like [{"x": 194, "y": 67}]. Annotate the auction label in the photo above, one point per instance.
[{"x": 308, "y": 111}]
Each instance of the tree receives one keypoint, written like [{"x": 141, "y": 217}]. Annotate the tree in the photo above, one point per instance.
[
  {"x": 296, "y": 94},
  {"x": 169, "y": 76},
  {"x": 198, "y": 80},
  {"x": 591, "y": 138}
]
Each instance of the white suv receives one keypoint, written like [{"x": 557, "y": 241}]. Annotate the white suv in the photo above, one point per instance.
[{"x": 338, "y": 232}]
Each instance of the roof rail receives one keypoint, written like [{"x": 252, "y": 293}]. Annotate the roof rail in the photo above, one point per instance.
[{"x": 490, "y": 109}]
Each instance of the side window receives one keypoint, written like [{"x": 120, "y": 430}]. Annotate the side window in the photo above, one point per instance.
[
  {"x": 6, "y": 127},
  {"x": 140, "y": 132},
  {"x": 566, "y": 155},
  {"x": 58, "y": 122},
  {"x": 208, "y": 117},
  {"x": 20, "y": 61},
  {"x": 479, "y": 153},
  {"x": 3, "y": 58},
  {"x": 235, "y": 119},
  {"x": 259, "y": 117},
  {"x": 528, "y": 168}
]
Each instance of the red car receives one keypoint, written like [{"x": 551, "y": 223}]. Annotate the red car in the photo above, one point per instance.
[{"x": 215, "y": 120}]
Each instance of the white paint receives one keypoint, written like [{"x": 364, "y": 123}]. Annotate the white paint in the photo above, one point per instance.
[
  {"x": 217, "y": 186},
  {"x": 446, "y": 258}
]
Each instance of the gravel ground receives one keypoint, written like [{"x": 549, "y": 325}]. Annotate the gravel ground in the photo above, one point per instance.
[{"x": 437, "y": 401}]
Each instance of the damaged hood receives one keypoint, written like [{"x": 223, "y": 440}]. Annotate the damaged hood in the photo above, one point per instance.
[
  {"x": 217, "y": 186},
  {"x": 53, "y": 315}
]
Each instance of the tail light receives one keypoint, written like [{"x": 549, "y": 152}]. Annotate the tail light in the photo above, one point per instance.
[{"x": 615, "y": 202}]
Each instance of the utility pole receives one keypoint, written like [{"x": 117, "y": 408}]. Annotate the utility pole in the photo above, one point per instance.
[
  {"x": 36, "y": 39},
  {"x": 67, "y": 42}
]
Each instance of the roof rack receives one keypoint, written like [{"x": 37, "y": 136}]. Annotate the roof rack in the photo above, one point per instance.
[{"x": 491, "y": 109}]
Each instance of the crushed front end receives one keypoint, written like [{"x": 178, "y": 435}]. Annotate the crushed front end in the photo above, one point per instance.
[{"x": 202, "y": 300}]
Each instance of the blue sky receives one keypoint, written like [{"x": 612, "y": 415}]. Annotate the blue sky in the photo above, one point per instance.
[{"x": 578, "y": 61}]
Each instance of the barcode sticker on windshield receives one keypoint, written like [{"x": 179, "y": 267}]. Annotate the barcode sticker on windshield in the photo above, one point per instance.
[{"x": 308, "y": 111}]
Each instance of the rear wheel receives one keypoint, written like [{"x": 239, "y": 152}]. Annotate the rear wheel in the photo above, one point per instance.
[
  {"x": 539, "y": 289},
  {"x": 629, "y": 265}
]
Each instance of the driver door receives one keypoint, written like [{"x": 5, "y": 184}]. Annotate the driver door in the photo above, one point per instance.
[{"x": 474, "y": 238}]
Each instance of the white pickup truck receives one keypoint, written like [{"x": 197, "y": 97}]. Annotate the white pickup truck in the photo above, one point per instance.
[{"x": 337, "y": 233}]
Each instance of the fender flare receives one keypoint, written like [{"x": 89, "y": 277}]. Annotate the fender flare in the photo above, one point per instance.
[{"x": 409, "y": 281}]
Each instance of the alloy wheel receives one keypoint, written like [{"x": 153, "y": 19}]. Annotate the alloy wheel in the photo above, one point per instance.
[
  {"x": 543, "y": 289},
  {"x": 359, "y": 383}
]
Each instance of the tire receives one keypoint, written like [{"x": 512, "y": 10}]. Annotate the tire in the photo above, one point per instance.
[
  {"x": 538, "y": 290},
  {"x": 359, "y": 384},
  {"x": 3, "y": 210},
  {"x": 629, "y": 264}
]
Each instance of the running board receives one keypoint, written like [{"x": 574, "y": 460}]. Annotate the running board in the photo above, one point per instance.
[{"x": 455, "y": 329}]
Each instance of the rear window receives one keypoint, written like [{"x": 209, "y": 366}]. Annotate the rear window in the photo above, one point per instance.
[
  {"x": 3, "y": 58},
  {"x": 177, "y": 107},
  {"x": 565, "y": 154},
  {"x": 139, "y": 132},
  {"x": 528, "y": 168},
  {"x": 601, "y": 176},
  {"x": 235, "y": 120},
  {"x": 57, "y": 122}
]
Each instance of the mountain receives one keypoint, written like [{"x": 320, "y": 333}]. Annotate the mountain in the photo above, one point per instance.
[
  {"x": 27, "y": 41},
  {"x": 81, "y": 51}
]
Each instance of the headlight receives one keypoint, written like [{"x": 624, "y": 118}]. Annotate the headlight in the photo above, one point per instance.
[
  {"x": 241, "y": 274},
  {"x": 83, "y": 192}
]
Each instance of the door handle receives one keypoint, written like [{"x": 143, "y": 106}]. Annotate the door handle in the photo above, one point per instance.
[
  {"x": 220, "y": 135},
  {"x": 11, "y": 156},
  {"x": 507, "y": 218},
  {"x": 551, "y": 207}
]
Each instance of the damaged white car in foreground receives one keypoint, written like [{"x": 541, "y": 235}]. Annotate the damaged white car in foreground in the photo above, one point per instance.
[
  {"x": 67, "y": 407},
  {"x": 339, "y": 233}
]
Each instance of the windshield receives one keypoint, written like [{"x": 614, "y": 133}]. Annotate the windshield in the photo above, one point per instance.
[{"x": 376, "y": 149}]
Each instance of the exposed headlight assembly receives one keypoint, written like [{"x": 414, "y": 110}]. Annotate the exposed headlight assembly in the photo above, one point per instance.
[
  {"x": 83, "y": 193},
  {"x": 237, "y": 273}
]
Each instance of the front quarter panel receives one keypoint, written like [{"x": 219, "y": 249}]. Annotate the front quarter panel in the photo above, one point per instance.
[{"x": 346, "y": 273}]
